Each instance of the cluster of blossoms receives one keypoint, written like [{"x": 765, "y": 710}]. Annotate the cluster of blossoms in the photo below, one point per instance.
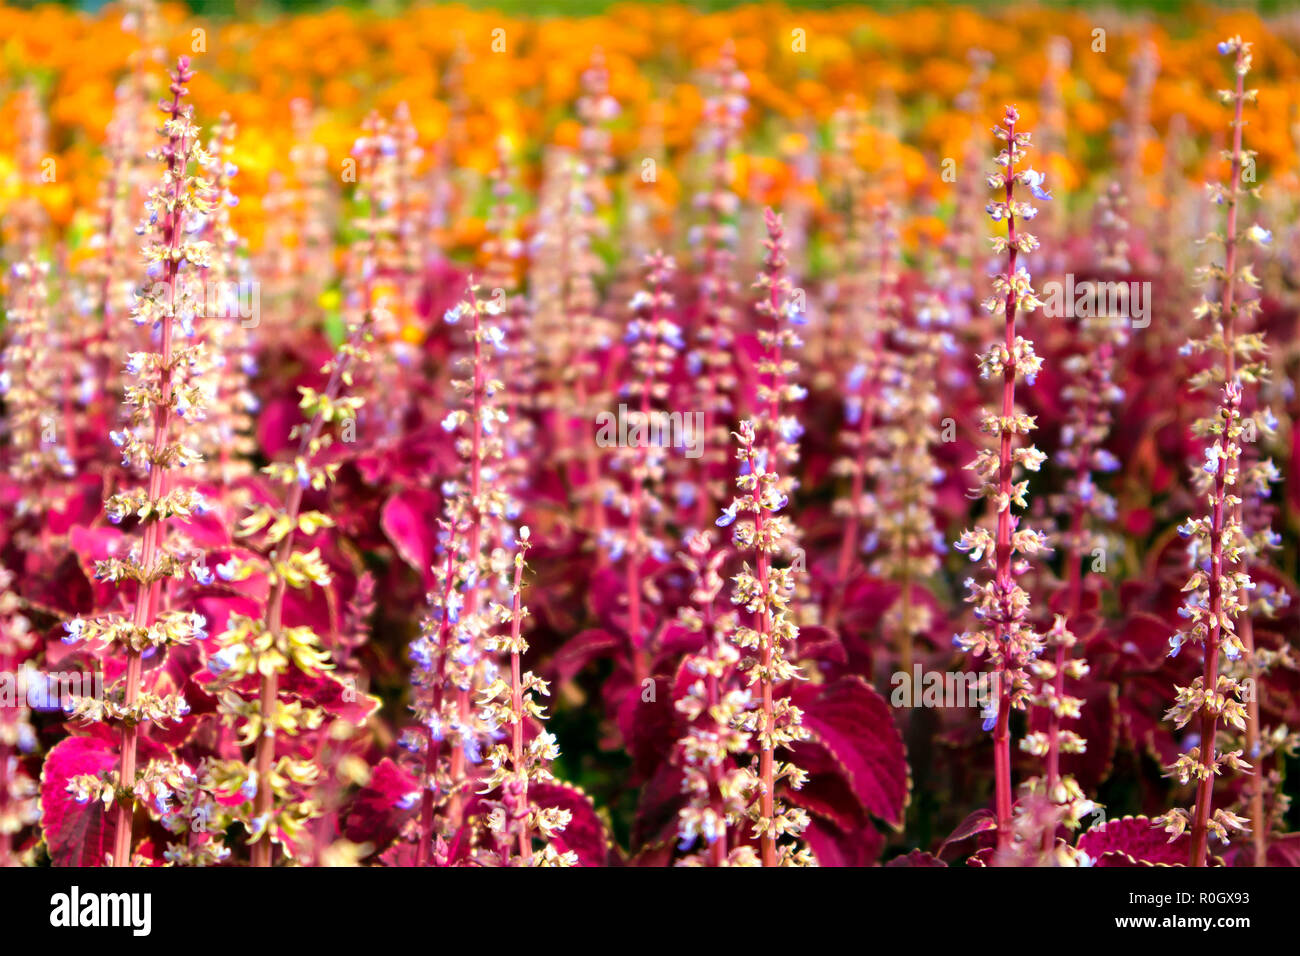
[
  {"x": 909, "y": 543},
  {"x": 163, "y": 401},
  {"x": 715, "y": 784},
  {"x": 1090, "y": 394},
  {"x": 224, "y": 438},
  {"x": 110, "y": 272},
  {"x": 870, "y": 284},
  {"x": 409, "y": 216},
  {"x": 1005, "y": 634},
  {"x": 654, "y": 342},
  {"x": 847, "y": 255},
  {"x": 764, "y": 591},
  {"x": 256, "y": 654},
  {"x": 259, "y": 654},
  {"x": 239, "y": 570},
  {"x": 504, "y": 251},
  {"x": 1218, "y": 592},
  {"x": 378, "y": 268},
  {"x": 297, "y": 260},
  {"x": 452, "y": 656},
  {"x": 588, "y": 331},
  {"x": 29, "y": 382},
  {"x": 710, "y": 360},
  {"x": 513, "y": 819},
  {"x": 18, "y": 793}
]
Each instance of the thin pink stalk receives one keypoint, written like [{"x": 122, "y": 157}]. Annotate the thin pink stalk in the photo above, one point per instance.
[
  {"x": 1003, "y": 575},
  {"x": 866, "y": 393},
  {"x": 433, "y": 747},
  {"x": 463, "y": 703},
  {"x": 636, "y": 505},
  {"x": 268, "y": 692},
  {"x": 1198, "y": 853},
  {"x": 148, "y": 592},
  {"x": 776, "y": 269},
  {"x": 517, "y": 725},
  {"x": 273, "y": 619}
]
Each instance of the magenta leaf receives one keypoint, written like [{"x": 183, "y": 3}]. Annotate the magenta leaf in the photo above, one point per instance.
[
  {"x": 855, "y": 725},
  {"x": 1133, "y": 841},
  {"x": 585, "y": 835},
  {"x": 76, "y": 834},
  {"x": 409, "y": 520},
  {"x": 981, "y": 821},
  {"x": 390, "y": 798}
]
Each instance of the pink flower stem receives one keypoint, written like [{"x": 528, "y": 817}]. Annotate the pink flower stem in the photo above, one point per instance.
[
  {"x": 1004, "y": 580},
  {"x": 268, "y": 691},
  {"x": 261, "y": 853},
  {"x": 849, "y": 542},
  {"x": 148, "y": 591},
  {"x": 640, "y": 648},
  {"x": 433, "y": 747},
  {"x": 762, "y": 561},
  {"x": 517, "y": 726},
  {"x": 463, "y": 708},
  {"x": 1198, "y": 854}
]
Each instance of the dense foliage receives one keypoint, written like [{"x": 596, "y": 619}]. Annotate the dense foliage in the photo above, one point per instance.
[{"x": 445, "y": 439}]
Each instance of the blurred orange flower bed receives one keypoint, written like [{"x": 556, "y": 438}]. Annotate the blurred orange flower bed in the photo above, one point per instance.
[{"x": 470, "y": 75}]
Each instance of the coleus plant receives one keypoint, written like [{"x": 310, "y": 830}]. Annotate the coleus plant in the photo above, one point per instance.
[
  {"x": 1005, "y": 633},
  {"x": 161, "y": 401},
  {"x": 287, "y": 493}
]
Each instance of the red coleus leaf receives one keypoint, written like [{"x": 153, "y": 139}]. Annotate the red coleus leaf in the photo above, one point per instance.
[
  {"x": 827, "y": 793},
  {"x": 337, "y": 696},
  {"x": 82, "y": 504},
  {"x": 657, "y": 810},
  {"x": 275, "y": 422},
  {"x": 1283, "y": 850},
  {"x": 580, "y": 651},
  {"x": 981, "y": 821},
  {"x": 1144, "y": 640},
  {"x": 648, "y": 724},
  {"x": 821, "y": 644},
  {"x": 585, "y": 835},
  {"x": 76, "y": 834},
  {"x": 409, "y": 520},
  {"x": 81, "y": 834},
  {"x": 388, "y": 800},
  {"x": 856, "y": 727},
  {"x": 832, "y": 846},
  {"x": 606, "y": 595},
  {"x": 91, "y": 545},
  {"x": 1133, "y": 841}
]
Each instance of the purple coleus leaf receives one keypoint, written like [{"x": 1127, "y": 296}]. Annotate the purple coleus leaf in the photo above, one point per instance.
[
  {"x": 408, "y": 520},
  {"x": 1133, "y": 841},
  {"x": 388, "y": 800},
  {"x": 855, "y": 726},
  {"x": 585, "y": 834},
  {"x": 76, "y": 834}
]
